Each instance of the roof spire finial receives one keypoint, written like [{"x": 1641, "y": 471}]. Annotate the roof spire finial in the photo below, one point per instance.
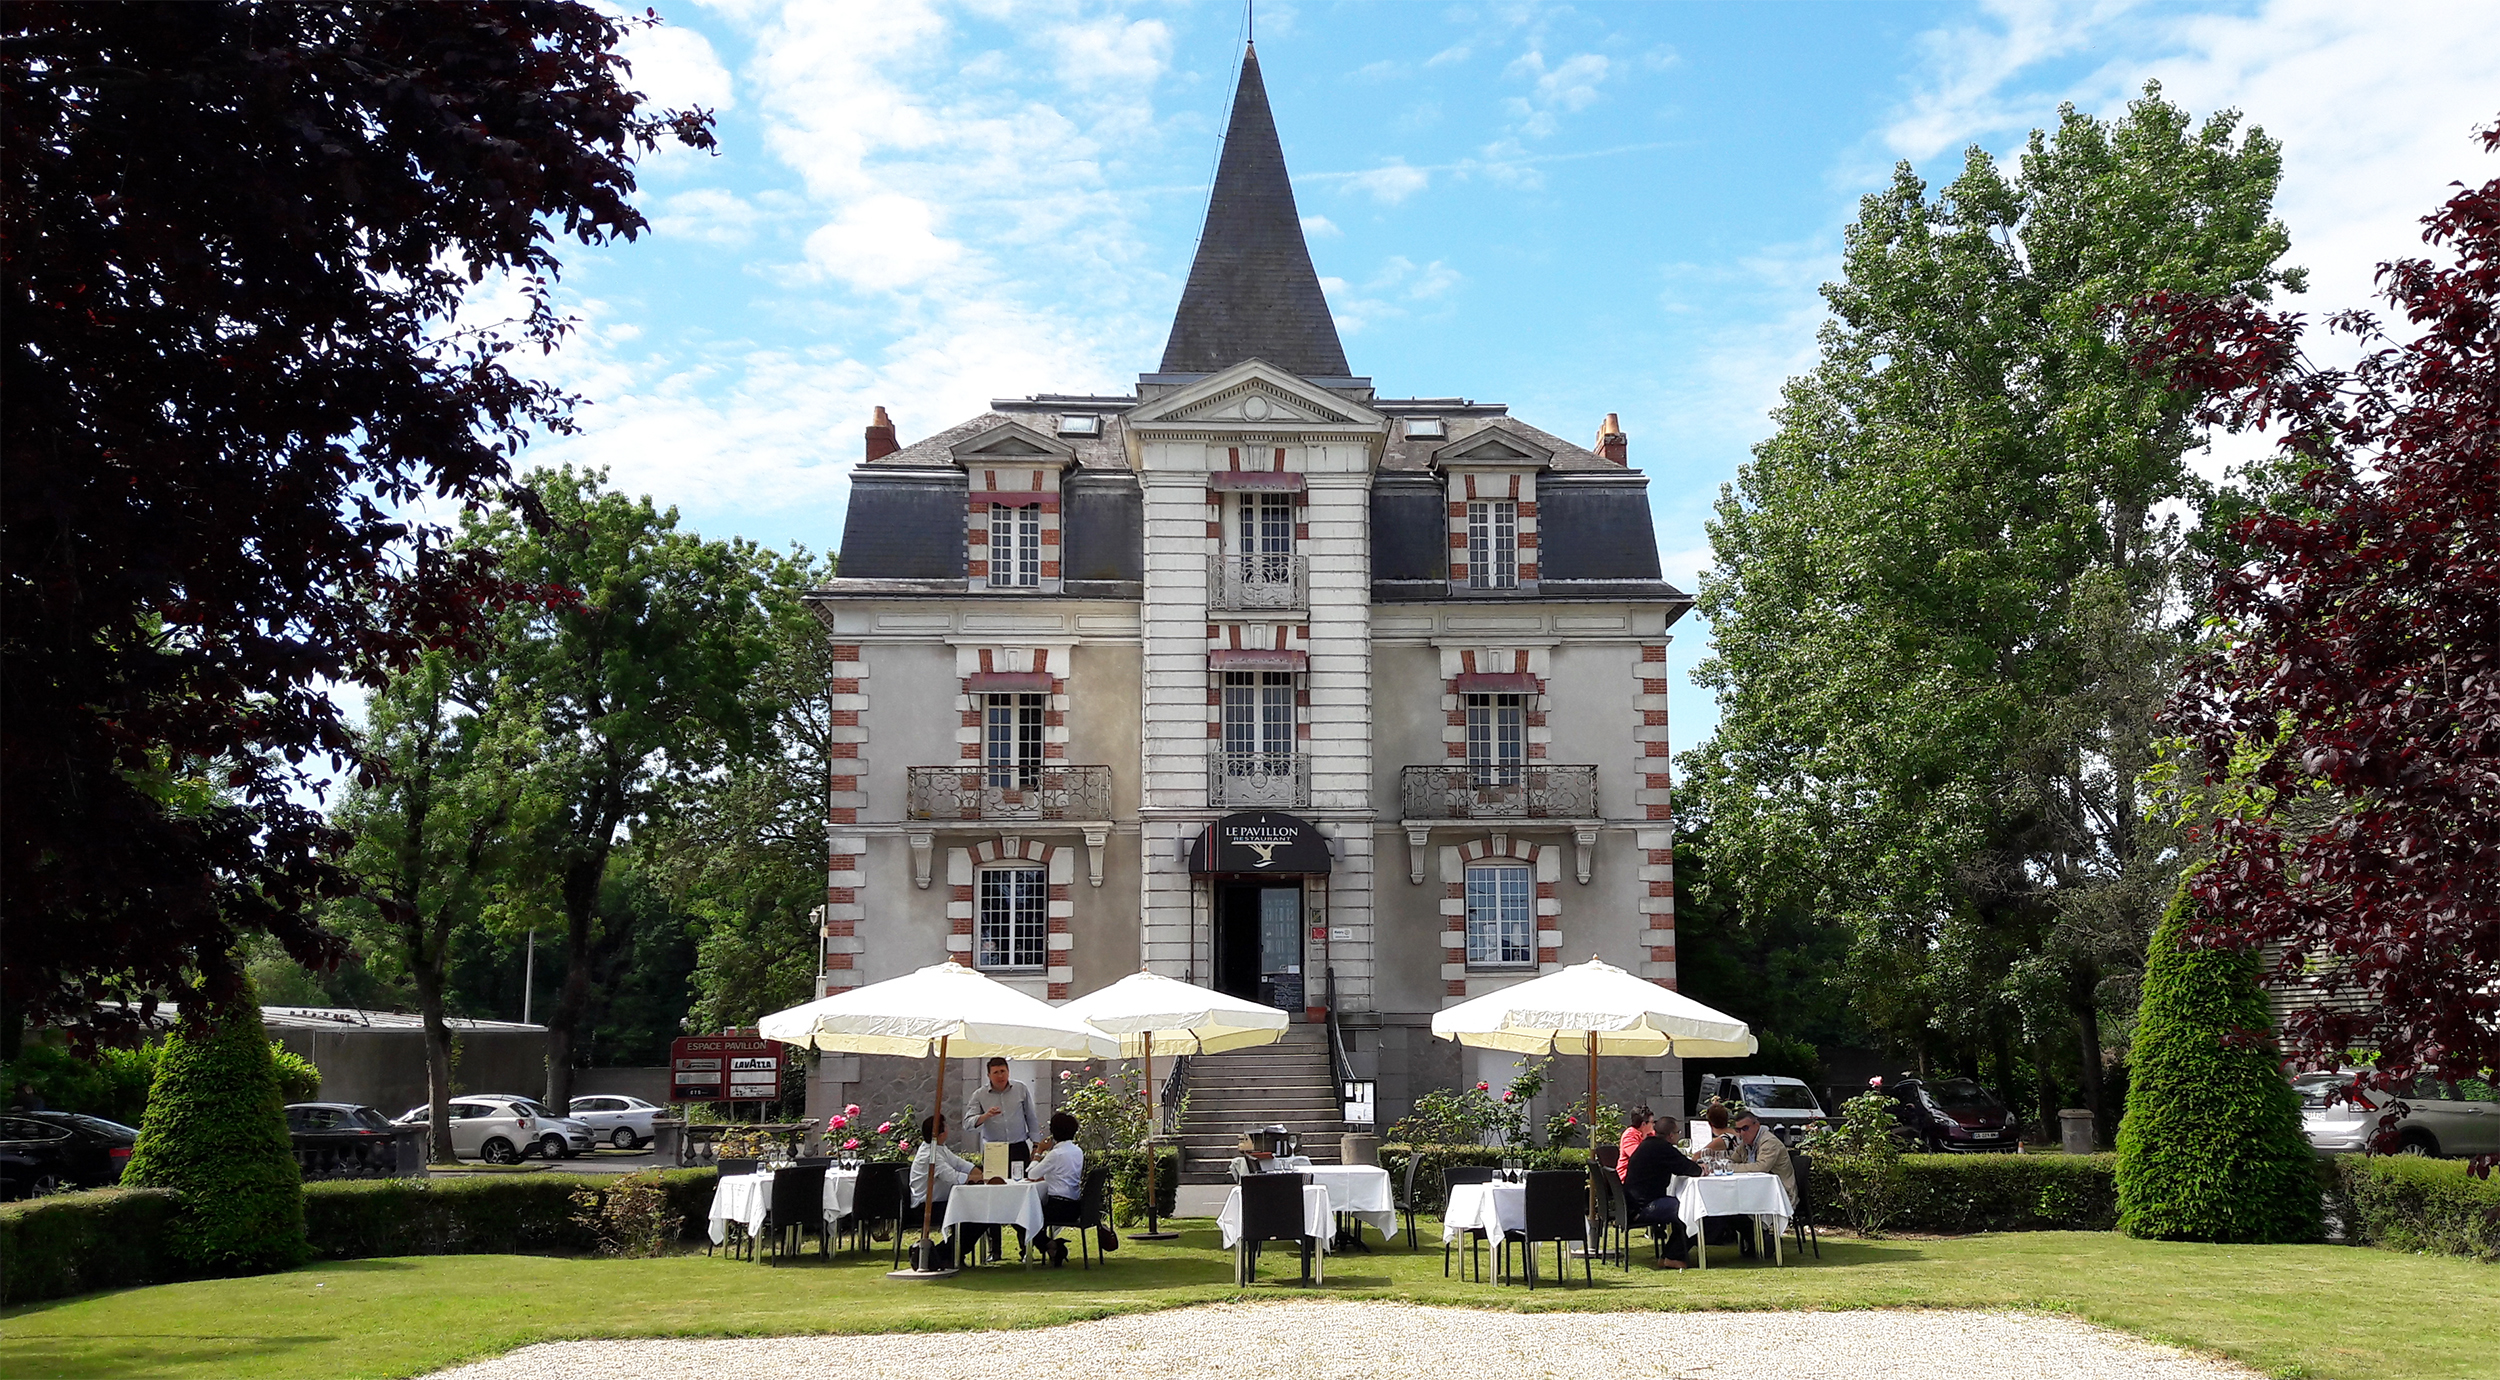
[{"x": 1252, "y": 293}]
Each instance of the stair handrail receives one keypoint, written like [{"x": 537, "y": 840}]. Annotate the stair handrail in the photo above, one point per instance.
[
  {"x": 1175, "y": 1096},
  {"x": 1339, "y": 1064}
]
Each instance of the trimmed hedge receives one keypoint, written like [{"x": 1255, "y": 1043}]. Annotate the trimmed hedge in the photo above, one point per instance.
[
  {"x": 215, "y": 1133},
  {"x": 2410, "y": 1203},
  {"x": 485, "y": 1214},
  {"x": 2211, "y": 1148},
  {"x": 1128, "y": 1183},
  {"x": 1954, "y": 1194},
  {"x": 76, "y": 1243}
]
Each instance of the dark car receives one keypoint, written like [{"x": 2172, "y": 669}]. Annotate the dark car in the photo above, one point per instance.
[
  {"x": 341, "y": 1138},
  {"x": 46, "y": 1152},
  {"x": 1952, "y": 1114}
]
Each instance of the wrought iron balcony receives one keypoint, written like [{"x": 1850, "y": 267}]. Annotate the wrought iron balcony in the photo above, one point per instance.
[
  {"x": 973, "y": 791},
  {"x": 1272, "y": 580},
  {"x": 1258, "y": 780},
  {"x": 1523, "y": 790}
]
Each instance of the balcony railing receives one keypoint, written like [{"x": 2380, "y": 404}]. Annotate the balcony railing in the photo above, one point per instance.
[
  {"x": 1264, "y": 581},
  {"x": 1524, "y": 790},
  {"x": 1258, "y": 780},
  {"x": 973, "y": 791}
]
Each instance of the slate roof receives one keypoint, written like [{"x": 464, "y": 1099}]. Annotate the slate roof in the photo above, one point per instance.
[
  {"x": 1103, "y": 452},
  {"x": 1252, "y": 293}
]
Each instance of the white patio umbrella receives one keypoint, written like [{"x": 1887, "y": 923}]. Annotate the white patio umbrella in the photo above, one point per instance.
[
  {"x": 1145, "y": 1009},
  {"x": 945, "y": 1010},
  {"x": 1594, "y": 1008}
]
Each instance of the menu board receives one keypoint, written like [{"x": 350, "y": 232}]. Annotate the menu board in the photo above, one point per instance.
[{"x": 724, "y": 1068}]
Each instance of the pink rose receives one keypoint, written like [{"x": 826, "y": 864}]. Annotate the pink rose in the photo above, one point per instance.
[
  {"x": 1571, "y": 1121},
  {"x": 838, "y": 1123},
  {"x": 852, "y": 1110},
  {"x": 885, "y": 1128},
  {"x": 1065, "y": 1075},
  {"x": 1875, "y": 1082},
  {"x": 1484, "y": 1087},
  {"x": 851, "y": 1144}
]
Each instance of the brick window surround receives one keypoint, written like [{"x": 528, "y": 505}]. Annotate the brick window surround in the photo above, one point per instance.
[{"x": 1460, "y": 980}]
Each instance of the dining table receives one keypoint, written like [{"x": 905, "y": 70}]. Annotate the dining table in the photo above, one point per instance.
[
  {"x": 1739, "y": 1194},
  {"x": 1318, "y": 1221},
  {"x": 745, "y": 1199},
  {"x": 1492, "y": 1208},
  {"x": 1016, "y": 1203}
]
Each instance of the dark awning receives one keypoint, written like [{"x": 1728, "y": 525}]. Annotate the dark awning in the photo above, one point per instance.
[
  {"x": 1007, "y": 682},
  {"x": 1260, "y": 843},
  {"x": 1496, "y": 683}
]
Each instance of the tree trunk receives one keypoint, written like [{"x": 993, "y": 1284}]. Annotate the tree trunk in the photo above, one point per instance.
[
  {"x": 429, "y": 980},
  {"x": 2047, "y": 1090},
  {"x": 2088, "y": 1022}
]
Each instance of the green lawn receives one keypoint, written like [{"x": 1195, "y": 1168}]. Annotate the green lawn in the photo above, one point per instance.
[{"x": 2316, "y": 1311}]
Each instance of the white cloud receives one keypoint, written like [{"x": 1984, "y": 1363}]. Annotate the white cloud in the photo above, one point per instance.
[
  {"x": 1106, "y": 50},
  {"x": 882, "y": 243},
  {"x": 676, "y": 68},
  {"x": 1555, "y": 91},
  {"x": 1391, "y": 184},
  {"x": 1320, "y": 228},
  {"x": 714, "y": 215},
  {"x": 1400, "y": 288}
]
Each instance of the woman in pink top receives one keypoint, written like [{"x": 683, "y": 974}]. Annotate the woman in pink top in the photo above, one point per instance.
[{"x": 1635, "y": 1130}]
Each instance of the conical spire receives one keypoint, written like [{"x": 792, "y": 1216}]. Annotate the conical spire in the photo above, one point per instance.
[{"x": 1252, "y": 292}]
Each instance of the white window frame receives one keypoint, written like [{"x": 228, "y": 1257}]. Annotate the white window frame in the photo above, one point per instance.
[
  {"x": 1015, "y": 546},
  {"x": 1492, "y": 544},
  {"x": 1501, "y": 915},
  {"x": 1259, "y": 713},
  {"x": 1011, "y": 740},
  {"x": 1011, "y": 919},
  {"x": 1497, "y": 738}
]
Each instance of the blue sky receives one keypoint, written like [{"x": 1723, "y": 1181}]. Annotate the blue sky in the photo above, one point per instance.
[{"x": 1574, "y": 209}]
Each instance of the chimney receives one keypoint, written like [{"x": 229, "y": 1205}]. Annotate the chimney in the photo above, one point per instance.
[
  {"x": 881, "y": 442},
  {"x": 1612, "y": 443}
]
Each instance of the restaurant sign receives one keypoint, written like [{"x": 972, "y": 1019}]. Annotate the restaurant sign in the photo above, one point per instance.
[
  {"x": 724, "y": 1068},
  {"x": 1260, "y": 844}
]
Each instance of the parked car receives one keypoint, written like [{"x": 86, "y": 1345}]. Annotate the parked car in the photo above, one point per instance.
[
  {"x": 624, "y": 1122},
  {"x": 341, "y": 1138},
  {"x": 46, "y": 1152},
  {"x": 496, "y": 1130},
  {"x": 559, "y": 1137},
  {"x": 1952, "y": 1114},
  {"x": 2441, "y": 1117},
  {"x": 1785, "y": 1105}
]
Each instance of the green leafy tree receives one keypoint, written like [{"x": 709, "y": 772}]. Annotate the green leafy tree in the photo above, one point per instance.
[
  {"x": 637, "y": 685},
  {"x": 215, "y": 1132},
  {"x": 450, "y": 805},
  {"x": 2211, "y": 1148},
  {"x": 1948, "y": 598}
]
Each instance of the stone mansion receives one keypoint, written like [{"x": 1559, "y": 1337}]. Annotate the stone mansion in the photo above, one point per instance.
[{"x": 1253, "y": 677}]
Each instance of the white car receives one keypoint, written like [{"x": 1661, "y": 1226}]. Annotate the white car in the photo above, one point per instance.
[
  {"x": 492, "y": 1129},
  {"x": 624, "y": 1122},
  {"x": 559, "y": 1137},
  {"x": 2442, "y": 1117}
]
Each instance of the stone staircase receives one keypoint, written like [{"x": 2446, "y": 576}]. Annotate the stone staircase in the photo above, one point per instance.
[{"x": 1288, "y": 1083}]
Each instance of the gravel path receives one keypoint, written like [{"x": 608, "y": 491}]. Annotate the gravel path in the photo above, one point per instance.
[{"x": 1393, "y": 1341}]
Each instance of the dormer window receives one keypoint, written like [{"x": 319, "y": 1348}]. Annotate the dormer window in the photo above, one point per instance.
[
  {"x": 1493, "y": 544},
  {"x": 1015, "y": 546},
  {"x": 1424, "y": 429},
  {"x": 1080, "y": 424}
]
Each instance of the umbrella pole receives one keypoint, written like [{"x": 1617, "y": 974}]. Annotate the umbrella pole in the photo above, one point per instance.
[
  {"x": 1591, "y": 1037},
  {"x": 928, "y": 1191}
]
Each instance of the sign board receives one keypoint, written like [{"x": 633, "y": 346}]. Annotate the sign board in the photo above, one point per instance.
[
  {"x": 1260, "y": 844},
  {"x": 724, "y": 1068}
]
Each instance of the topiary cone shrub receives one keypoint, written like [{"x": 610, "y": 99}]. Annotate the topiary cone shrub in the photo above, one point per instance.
[
  {"x": 2211, "y": 1148},
  {"x": 215, "y": 1133}
]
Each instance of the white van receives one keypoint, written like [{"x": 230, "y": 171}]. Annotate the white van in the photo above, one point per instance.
[{"x": 1785, "y": 1105}]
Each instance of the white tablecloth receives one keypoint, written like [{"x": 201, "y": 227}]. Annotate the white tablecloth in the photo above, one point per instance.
[
  {"x": 1317, "y": 1218},
  {"x": 1491, "y": 1208},
  {"x": 1759, "y": 1196},
  {"x": 1360, "y": 1191},
  {"x": 745, "y": 1198},
  {"x": 1017, "y": 1204}
]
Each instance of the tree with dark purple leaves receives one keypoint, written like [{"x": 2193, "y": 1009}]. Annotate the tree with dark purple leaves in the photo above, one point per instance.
[
  {"x": 237, "y": 237},
  {"x": 2347, "y": 716}
]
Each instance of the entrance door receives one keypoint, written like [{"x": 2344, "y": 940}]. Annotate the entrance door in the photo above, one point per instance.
[{"x": 1258, "y": 942}]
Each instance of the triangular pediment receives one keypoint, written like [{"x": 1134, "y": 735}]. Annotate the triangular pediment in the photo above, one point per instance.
[
  {"x": 1254, "y": 395},
  {"x": 1494, "y": 445},
  {"x": 1012, "y": 441}
]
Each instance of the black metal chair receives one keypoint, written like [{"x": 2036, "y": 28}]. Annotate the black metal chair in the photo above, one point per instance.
[
  {"x": 1557, "y": 1210},
  {"x": 797, "y": 1206},
  {"x": 1802, "y": 1220},
  {"x": 1090, "y": 1207},
  {"x": 814, "y": 1162},
  {"x": 882, "y": 1195},
  {"x": 1271, "y": 1210},
  {"x": 1457, "y": 1176},
  {"x": 1613, "y": 1224},
  {"x": 1406, "y": 1199},
  {"x": 730, "y": 1169}
]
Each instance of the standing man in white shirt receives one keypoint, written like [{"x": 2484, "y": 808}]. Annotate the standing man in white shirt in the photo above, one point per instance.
[{"x": 1002, "y": 1113}]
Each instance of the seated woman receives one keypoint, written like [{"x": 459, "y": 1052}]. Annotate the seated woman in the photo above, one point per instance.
[
  {"x": 1059, "y": 1164},
  {"x": 1646, "y": 1178},
  {"x": 1636, "y": 1128}
]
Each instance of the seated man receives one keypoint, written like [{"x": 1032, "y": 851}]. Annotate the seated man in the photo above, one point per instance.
[
  {"x": 933, "y": 1157},
  {"x": 1646, "y": 1177},
  {"x": 1752, "y": 1150},
  {"x": 1061, "y": 1169}
]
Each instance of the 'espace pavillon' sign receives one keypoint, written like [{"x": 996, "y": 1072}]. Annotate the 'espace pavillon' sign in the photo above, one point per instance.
[{"x": 724, "y": 1068}]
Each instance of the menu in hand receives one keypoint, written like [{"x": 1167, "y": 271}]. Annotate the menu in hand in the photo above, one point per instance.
[{"x": 994, "y": 1160}]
